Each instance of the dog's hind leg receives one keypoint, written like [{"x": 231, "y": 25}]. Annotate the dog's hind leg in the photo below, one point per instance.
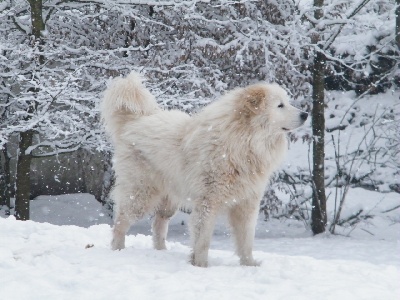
[
  {"x": 243, "y": 221},
  {"x": 130, "y": 208},
  {"x": 202, "y": 221},
  {"x": 160, "y": 223}
]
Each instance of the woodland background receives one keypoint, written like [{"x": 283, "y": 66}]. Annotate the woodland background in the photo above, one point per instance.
[{"x": 56, "y": 58}]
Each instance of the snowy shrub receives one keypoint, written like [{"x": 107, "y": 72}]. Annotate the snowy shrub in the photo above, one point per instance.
[
  {"x": 364, "y": 57},
  {"x": 362, "y": 150},
  {"x": 270, "y": 204}
]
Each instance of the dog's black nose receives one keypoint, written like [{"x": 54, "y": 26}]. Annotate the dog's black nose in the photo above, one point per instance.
[{"x": 303, "y": 116}]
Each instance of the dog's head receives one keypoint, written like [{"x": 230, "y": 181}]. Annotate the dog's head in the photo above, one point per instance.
[{"x": 269, "y": 105}]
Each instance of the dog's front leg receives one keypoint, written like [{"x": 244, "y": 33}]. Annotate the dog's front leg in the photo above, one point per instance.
[
  {"x": 202, "y": 224},
  {"x": 121, "y": 226},
  {"x": 243, "y": 219}
]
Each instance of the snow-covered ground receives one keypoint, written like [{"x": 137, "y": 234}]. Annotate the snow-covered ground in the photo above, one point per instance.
[{"x": 73, "y": 260}]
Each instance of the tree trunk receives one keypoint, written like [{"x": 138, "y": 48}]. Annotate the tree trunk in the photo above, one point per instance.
[
  {"x": 5, "y": 183},
  {"x": 398, "y": 24},
  {"x": 318, "y": 213},
  {"x": 37, "y": 26},
  {"x": 23, "y": 179}
]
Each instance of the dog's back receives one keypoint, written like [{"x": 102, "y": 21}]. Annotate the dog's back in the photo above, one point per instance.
[
  {"x": 158, "y": 138},
  {"x": 144, "y": 136}
]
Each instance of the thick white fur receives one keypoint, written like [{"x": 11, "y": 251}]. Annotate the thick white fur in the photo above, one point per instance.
[{"x": 217, "y": 161}]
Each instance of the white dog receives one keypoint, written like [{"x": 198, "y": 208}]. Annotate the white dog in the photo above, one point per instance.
[{"x": 219, "y": 160}]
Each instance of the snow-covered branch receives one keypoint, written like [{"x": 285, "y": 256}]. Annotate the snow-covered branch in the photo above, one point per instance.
[{"x": 349, "y": 15}]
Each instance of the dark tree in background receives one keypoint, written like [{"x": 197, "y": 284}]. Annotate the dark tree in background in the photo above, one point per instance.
[
  {"x": 46, "y": 101},
  {"x": 323, "y": 37},
  {"x": 5, "y": 184},
  {"x": 398, "y": 24},
  {"x": 22, "y": 180},
  {"x": 318, "y": 214}
]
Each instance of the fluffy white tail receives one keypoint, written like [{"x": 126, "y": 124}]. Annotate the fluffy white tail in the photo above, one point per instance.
[{"x": 124, "y": 99}]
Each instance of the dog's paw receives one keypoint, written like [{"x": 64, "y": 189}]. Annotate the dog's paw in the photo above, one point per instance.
[
  {"x": 115, "y": 248},
  {"x": 117, "y": 245},
  {"x": 196, "y": 262},
  {"x": 250, "y": 262},
  {"x": 160, "y": 246},
  {"x": 202, "y": 264}
]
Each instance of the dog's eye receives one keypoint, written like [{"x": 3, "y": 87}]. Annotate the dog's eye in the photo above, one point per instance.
[{"x": 281, "y": 105}]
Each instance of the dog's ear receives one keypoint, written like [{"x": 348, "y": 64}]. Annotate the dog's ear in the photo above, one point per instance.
[{"x": 254, "y": 98}]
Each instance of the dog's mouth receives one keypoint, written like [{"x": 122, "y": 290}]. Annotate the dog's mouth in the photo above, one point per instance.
[{"x": 285, "y": 129}]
